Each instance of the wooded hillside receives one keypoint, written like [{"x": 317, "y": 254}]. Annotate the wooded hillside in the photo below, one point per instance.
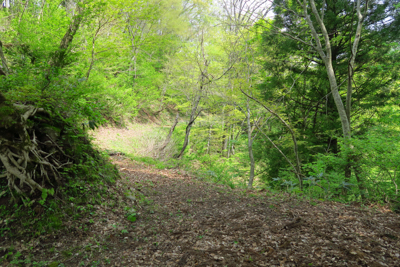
[{"x": 293, "y": 97}]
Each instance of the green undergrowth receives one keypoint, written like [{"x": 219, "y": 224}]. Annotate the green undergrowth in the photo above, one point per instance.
[
  {"x": 209, "y": 169},
  {"x": 159, "y": 164},
  {"x": 75, "y": 206},
  {"x": 90, "y": 252}
]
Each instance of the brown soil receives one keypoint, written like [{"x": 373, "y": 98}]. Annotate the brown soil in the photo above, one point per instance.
[{"x": 183, "y": 221}]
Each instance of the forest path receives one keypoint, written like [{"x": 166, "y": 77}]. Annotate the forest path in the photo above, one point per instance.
[{"x": 186, "y": 222}]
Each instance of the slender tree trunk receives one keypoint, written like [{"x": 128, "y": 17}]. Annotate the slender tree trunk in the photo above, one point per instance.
[
  {"x": 193, "y": 116},
  {"x": 225, "y": 145},
  {"x": 326, "y": 55},
  {"x": 171, "y": 130},
  {"x": 209, "y": 139},
  {"x": 223, "y": 133},
  {"x": 354, "y": 49},
  {"x": 228, "y": 147},
  {"x": 4, "y": 67},
  {"x": 23, "y": 11},
  {"x": 93, "y": 46},
  {"x": 194, "y": 113},
  {"x": 235, "y": 138},
  {"x": 358, "y": 172},
  {"x": 57, "y": 61},
  {"x": 250, "y": 145},
  {"x": 295, "y": 147}
]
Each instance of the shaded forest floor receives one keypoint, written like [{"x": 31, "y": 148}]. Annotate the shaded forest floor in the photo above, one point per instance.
[{"x": 183, "y": 221}]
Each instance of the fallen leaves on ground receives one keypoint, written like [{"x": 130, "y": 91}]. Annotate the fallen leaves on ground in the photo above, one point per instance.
[{"x": 182, "y": 221}]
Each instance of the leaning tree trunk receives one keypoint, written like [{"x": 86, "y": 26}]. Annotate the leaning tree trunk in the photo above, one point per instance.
[
  {"x": 57, "y": 61},
  {"x": 193, "y": 116},
  {"x": 168, "y": 139},
  {"x": 292, "y": 133}
]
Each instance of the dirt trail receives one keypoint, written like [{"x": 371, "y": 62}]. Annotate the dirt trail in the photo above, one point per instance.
[
  {"x": 183, "y": 221},
  {"x": 192, "y": 223}
]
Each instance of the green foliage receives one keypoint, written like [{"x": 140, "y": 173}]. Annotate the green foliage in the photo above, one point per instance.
[
  {"x": 296, "y": 73},
  {"x": 131, "y": 214},
  {"x": 45, "y": 193}
]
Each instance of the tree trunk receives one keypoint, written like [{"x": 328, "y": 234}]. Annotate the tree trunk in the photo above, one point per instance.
[
  {"x": 209, "y": 139},
  {"x": 193, "y": 116},
  {"x": 225, "y": 145},
  {"x": 357, "y": 172},
  {"x": 356, "y": 167},
  {"x": 295, "y": 147},
  {"x": 57, "y": 61},
  {"x": 93, "y": 47},
  {"x": 235, "y": 138},
  {"x": 171, "y": 130},
  {"x": 228, "y": 146},
  {"x": 223, "y": 132},
  {"x": 4, "y": 68},
  {"x": 326, "y": 55},
  {"x": 250, "y": 145}
]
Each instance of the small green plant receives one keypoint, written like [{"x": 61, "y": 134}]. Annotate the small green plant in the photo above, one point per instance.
[
  {"x": 45, "y": 193},
  {"x": 67, "y": 253},
  {"x": 131, "y": 216}
]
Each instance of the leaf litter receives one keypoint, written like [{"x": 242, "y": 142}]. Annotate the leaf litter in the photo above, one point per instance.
[{"x": 183, "y": 221}]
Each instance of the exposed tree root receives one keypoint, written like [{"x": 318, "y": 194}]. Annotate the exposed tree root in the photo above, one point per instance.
[{"x": 31, "y": 158}]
